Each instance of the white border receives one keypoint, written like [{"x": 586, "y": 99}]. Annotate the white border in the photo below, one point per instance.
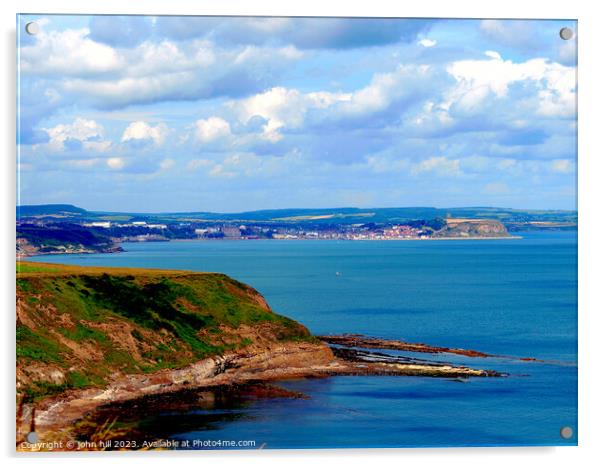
[{"x": 590, "y": 256}]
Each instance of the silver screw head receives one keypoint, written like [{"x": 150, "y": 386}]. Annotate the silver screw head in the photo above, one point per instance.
[
  {"x": 566, "y": 33},
  {"x": 566, "y": 432},
  {"x": 32, "y": 28}
]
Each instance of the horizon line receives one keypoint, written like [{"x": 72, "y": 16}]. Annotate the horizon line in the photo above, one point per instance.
[{"x": 300, "y": 208}]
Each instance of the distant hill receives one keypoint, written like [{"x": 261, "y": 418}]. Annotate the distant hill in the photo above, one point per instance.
[
  {"x": 326, "y": 215},
  {"x": 61, "y": 238},
  {"x": 43, "y": 210}
]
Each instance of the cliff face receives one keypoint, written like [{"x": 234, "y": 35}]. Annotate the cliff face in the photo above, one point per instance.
[
  {"x": 82, "y": 328},
  {"x": 466, "y": 228},
  {"x": 33, "y": 239}
]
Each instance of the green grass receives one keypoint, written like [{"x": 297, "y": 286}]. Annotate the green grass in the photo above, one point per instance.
[
  {"x": 167, "y": 312},
  {"x": 38, "y": 346},
  {"x": 74, "y": 380},
  {"x": 23, "y": 267},
  {"x": 81, "y": 333}
]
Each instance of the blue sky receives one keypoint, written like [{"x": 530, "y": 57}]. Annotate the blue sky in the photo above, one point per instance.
[{"x": 217, "y": 114}]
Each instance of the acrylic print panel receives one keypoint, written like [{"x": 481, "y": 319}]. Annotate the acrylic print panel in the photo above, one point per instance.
[{"x": 254, "y": 232}]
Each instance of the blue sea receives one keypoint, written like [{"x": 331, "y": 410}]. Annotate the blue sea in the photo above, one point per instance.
[{"x": 506, "y": 297}]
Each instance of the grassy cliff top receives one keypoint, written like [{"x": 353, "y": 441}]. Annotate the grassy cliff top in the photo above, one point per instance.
[
  {"x": 79, "y": 327},
  {"x": 35, "y": 269}
]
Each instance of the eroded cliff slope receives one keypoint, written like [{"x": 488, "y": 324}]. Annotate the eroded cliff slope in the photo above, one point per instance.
[{"x": 80, "y": 327}]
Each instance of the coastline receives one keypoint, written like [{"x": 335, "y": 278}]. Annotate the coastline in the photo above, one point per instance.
[
  {"x": 183, "y": 240},
  {"x": 21, "y": 256},
  {"x": 69, "y": 322},
  {"x": 53, "y": 418}
]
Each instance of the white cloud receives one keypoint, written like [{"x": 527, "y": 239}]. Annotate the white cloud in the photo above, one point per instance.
[
  {"x": 88, "y": 132},
  {"x": 493, "y": 54},
  {"x": 115, "y": 163},
  {"x": 142, "y": 131},
  {"x": 386, "y": 88},
  {"x": 112, "y": 77},
  {"x": 476, "y": 80},
  {"x": 427, "y": 43},
  {"x": 288, "y": 108},
  {"x": 70, "y": 53},
  {"x": 211, "y": 129},
  {"x": 152, "y": 59},
  {"x": 283, "y": 107},
  {"x": 279, "y": 106}
]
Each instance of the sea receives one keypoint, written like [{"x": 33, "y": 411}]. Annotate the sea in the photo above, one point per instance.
[{"x": 514, "y": 297}]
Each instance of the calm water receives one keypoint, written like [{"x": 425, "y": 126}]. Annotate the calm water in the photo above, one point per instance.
[{"x": 514, "y": 297}]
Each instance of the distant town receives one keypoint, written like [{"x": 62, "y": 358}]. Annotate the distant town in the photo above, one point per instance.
[
  {"x": 230, "y": 230},
  {"x": 53, "y": 229}
]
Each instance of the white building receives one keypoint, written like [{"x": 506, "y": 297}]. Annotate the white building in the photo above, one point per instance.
[{"x": 98, "y": 224}]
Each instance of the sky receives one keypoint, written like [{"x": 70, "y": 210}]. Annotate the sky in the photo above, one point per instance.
[{"x": 157, "y": 114}]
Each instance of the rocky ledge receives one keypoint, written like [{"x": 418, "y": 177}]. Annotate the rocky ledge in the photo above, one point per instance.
[{"x": 54, "y": 415}]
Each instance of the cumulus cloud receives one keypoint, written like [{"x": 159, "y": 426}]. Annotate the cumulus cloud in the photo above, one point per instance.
[
  {"x": 80, "y": 133},
  {"x": 283, "y": 108},
  {"x": 140, "y": 131},
  {"x": 477, "y": 80},
  {"x": 180, "y": 72},
  {"x": 108, "y": 76},
  {"x": 405, "y": 82},
  {"x": 427, "y": 43},
  {"x": 69, "y": 52},
  {"x": 280, "y": 107},
  {"x": 260, "y": 103},
  {"x": 212, "y": 128}
]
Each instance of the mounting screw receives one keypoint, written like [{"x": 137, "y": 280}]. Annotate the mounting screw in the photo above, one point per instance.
[
  {"x": 566, "y": 432},
  {"x": 32, "y": 28},
  {"x": 566, "y": 33}
]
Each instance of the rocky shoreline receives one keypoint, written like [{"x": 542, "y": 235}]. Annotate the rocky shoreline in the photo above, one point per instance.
[
  {"x": 53, "y": 418},
  {"x": 360, "y": 341},
  {"x": 92, "y": 339}
]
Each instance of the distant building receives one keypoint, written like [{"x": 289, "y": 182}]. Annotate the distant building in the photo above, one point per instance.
[
  {"x": 98, "y": 225},
  {"x": 231, "y": 232}
]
